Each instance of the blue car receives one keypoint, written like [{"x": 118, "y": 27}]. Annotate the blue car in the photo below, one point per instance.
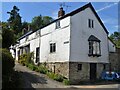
[{"x": 106, "y": 75}]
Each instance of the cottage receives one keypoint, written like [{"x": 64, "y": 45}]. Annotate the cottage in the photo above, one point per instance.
[{"x": 75, "y": 45}]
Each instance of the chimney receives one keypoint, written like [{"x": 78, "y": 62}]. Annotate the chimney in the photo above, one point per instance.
[{"x": 61, "y": 12}]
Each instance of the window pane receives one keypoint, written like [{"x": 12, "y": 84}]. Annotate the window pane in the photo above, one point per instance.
[
  {"x": 79, "y": 66},
  {"x": 89, "y": 23},
  {"x": 57, "y": 24},
  {"x": 90, "y": 47},
  {"x": 98, "y": 48},
  {"x": 50, "y": 48},
  {"x": 92, "y": 23},
  {"x": 54, "y": 47},
  {"x": 94, "y": 47}
]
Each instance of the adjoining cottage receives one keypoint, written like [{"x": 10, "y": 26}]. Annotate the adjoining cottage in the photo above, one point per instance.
[{"x": 75, "y": 45}]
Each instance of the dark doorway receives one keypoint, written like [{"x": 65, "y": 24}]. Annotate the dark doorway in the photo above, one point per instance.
[
  {"x": 93, "y": 68},
  {"x": 37, "y": 54}
]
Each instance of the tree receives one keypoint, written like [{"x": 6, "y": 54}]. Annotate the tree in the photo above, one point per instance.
[
  {"x": 115, "y": 37},
  {"x": 7, "y": 36},
  {"x": 40, "y": 21},
  {"x": 47, "y": 19},
  {"x": 25, "y": 27},
  {"x": 36, "y": 23},
  {"x": 15, "y": 20}
]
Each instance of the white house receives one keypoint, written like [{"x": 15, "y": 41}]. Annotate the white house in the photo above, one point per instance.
[{"x": 75, "y": 45}]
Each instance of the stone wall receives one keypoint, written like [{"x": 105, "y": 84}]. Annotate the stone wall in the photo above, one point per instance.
[
  {"x": 78, "y": 75},
  {"x": 59, "y": 68},
  {"x": 70, "y": 70},
  {"x": 114, "y": 59}
]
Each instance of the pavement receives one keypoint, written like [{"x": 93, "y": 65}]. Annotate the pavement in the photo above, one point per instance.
[{"x": 32, "y": 79}]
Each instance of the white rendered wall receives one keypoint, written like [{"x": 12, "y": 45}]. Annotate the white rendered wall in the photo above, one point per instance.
[
  {"x": 48, "y": 35},
  {"x": 80, "y": 32},
  {"x": 111, "y": 47}
]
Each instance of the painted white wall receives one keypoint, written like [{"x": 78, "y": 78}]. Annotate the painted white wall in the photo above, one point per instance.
[
  {"x": 12, "y": 53},
  {"x": 75, "y": 30},
  {"x": 111, "y": 46},
  {"x": 48, "y": 35},
  {"x": 80, "y": 32}
]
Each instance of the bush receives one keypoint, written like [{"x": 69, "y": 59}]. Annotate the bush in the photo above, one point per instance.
[
  {"x": 25, "y": 59},
  {"x": 66, "y": 82},
  {"x": 58, "y": 77},
  {"x": 51, "y": 75},
  {"x": 43, "y": 69},
  {"x": 8, "y": 62}
]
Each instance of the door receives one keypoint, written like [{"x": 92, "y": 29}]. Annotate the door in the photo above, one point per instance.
[
  {"x": 37, "y": 54},
  {"x": 93, "y": 68}
]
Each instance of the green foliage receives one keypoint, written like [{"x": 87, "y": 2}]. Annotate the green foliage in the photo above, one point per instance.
[
  {"x": 115, "y": 37},
  {"x": 14, "y": 20},
  {"x": 32, "y": 67},
  {"x": 43, "y": 69},
  {"x": 25, "y": 59},
  {"x": 40, "y": 21},
  {"x": 51, "y": 75},
  {"x": 7, "y": 62},
  {"x": 66, "y": 82},
  {"x": 7, "y": 37},
  {"x": 47, "y": 19},
  {"x": 36, "y": 23},
  {"x": 54, "y": 76},
  {"x": 58, "y": 77}
]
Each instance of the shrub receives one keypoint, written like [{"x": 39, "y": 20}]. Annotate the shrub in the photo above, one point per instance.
[
  {"x": 22, "y": 59},
  {"x": 66, "y": 82},
  {"x": 58, "y": 77},
  {"x": 8, "y": 62},
  {"x": 50, "y": 75},
  {"x": 25, "y": 59},
  {"x": 43, "y": 69}
]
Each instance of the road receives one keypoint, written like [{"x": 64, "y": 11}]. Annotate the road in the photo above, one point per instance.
[{"x": 32, "y": 79}]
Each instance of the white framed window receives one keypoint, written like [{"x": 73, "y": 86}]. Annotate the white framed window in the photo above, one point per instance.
[
  {"x": 90, "y": 23},
  {"x": 52, "y": 47},
  {"x": 57, "y": 24}
]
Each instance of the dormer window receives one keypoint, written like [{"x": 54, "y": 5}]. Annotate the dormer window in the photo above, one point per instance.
[
  {"x": 90, "y": 23},
  {"x": 94, "y": 46},
  {"x": 57, "y": 24}
]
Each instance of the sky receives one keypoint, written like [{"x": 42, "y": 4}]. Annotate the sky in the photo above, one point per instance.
[{"x": 107, "y": 11}]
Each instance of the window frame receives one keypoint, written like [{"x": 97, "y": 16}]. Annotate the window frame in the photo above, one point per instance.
[
  {"x": 94, "y": 46},
  {"x": 79, "y": 67},
  {"x": 91, "y": 23},
  {"x": 57, "y": 24},
  {"x": 52, "y": 47}
]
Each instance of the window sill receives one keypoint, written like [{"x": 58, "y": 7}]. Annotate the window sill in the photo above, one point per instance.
[
  {"x": 58, "y": 28},
  {"x": 94, "y": 55},
  {"x": 52, "y": 53}
]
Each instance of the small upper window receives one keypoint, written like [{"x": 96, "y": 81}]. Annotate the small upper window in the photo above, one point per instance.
[
  {"x": 57, "y": 24},
  {"x": 52, "y": 47},
  {"x": 90, "y": 23}
]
